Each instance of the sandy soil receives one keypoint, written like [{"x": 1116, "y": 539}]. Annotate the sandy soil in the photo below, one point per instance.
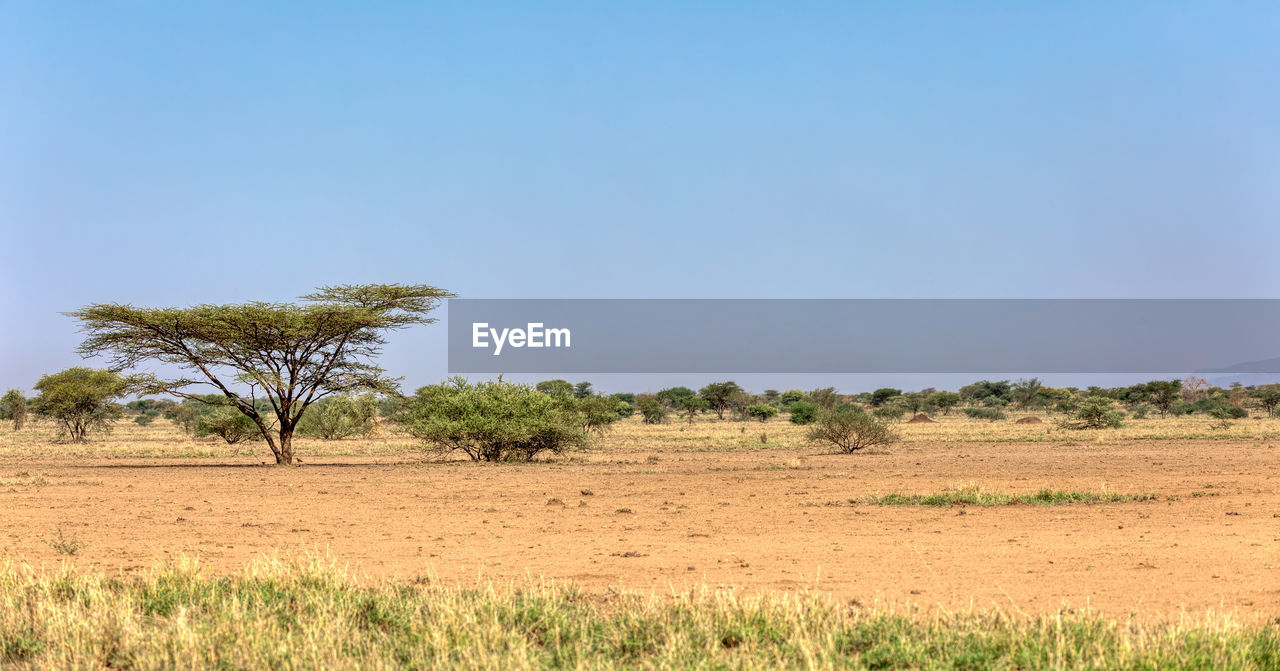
[{"x": 666, "y": 519}]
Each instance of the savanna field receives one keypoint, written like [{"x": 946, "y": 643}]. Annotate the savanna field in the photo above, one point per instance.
[{"x": 716, "y": 544}]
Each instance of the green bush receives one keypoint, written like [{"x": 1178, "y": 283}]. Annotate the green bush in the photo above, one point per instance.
[
  {"x": 787, "y": 398},
  {"x": 890, "y": 411},
  {"x": 690, "y": 406},
  {"x": 338, "y": 417},
  {"x": 1140, "y": 411},
  {"x": 13, "y": 407},
  {"x": 225, "y": 422},
  {"x": 881, "y": 396},
  {"x": 850, "y": 428},
  {"x": 492, "y": 421},
  {"x": 761, "y": 411},
  {"x": 1096, "y": 412},
  {"x": 992, "y": 414},
  {"x": 652, "y": 410},
  {"x": 623, "y": 408},
  {"x": 803, "y": 412},
  {"x": 598, "y": 412}
]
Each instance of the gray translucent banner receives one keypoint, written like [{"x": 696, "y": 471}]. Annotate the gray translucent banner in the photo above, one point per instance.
[{"x": 995, "y": 336}]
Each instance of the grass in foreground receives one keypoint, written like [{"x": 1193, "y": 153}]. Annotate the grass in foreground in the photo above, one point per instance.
[
  {"x": 315, "y": 615},
  {"x": 974, "y": 496}
]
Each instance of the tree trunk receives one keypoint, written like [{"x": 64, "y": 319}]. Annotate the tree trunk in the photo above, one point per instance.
[{"x": 284, "y": 455}]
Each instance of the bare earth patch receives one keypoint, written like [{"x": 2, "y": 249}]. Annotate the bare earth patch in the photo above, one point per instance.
[{"x": 661, "y": 516}]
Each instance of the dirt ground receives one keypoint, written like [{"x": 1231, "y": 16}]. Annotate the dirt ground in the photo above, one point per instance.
[{"x": 663, "y": 519}]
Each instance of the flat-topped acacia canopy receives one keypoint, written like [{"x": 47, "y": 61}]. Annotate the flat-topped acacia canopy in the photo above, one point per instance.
[{"x": 291, "y": 354}]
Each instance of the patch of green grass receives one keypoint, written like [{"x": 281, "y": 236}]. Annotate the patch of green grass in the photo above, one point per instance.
[
  {"x": 315, "y": 615},
  {"x": 973, "y": 496}
]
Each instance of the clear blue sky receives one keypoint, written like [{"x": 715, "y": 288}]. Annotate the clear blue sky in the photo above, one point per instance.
[{"x": 175, "y": 153}]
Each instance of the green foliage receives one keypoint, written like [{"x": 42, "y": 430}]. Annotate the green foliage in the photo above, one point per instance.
[
  {"x": 652, "y": 410},
  {"x": 1026, "y": 393},
  {"x": 582, "y": 390},
  {"x": 761, "y": 411},
  {"x": 915, "y": 401},
  {"x": 81, "y": 400},
  {"x": 719, "y": 395},
  {"x": 739, "y": 401},
  {"x": 225, "y": 422},
  {"x": 338, "y": 417},
  {"x": 492, "y": 421},
  {"x": 1096, "y": 412},
  {"x": 623, "y": 408},
  {"x": 944, "y": 401},
  {"x": 987, "y": 392},
  {"x": 803, "y": 412},
  {"x": 1164, "y": 395},
  {"x": 555, "y": 387},
  {"x": 1140, "y": 411},
  {"x": 628, "y": 397},
  {"x": 13, "y": 407},
  {"x": 690, "y": 406},
  {"x": 145, "y": 418},
  {"x": 891, "y": 411},
  {"x": 674, "y": 396},
  {"x": 826, "y": 398},
  {"x": 786, "y": 398},
  {"x": 598, "y": 412},
  {"x": 291, "y": 354},
  {"x": 992, "y": 414},
  {"x": 183, "y": 415},
  {"x": 881, "y": 396},
  {"x": 850, "y": 428},
  {"x": 1269, "y": 399}
]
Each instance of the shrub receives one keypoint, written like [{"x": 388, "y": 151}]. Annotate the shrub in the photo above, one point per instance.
[
  {"x": 145, "y": 419},
  {"x": 82, "y": 400},
  {"x": 1269, "y": 400},
  {"x": 803, "y": 412},
  {"x": 944, "y": 401},
  {"x": 225, "y": 422},
  {"x": 881, "y": 396},
  {"x": 691, "y": 406},
  {"x": 651, "y": 409},
  {"x": 339, "y": 417},
  {"x": 1096, "y": 412},
  {"x": 787, "y": 398},
  {"x": 623, "y": 408},
  {"x": 850, "y": 428},
  {"x": 890, "y": 411},
  {"x": 992, "y": 414},
  {"x": 826, "y": 398},
  {"x": 598, "y": 413},
  {"x": 761, "y": 411},
  {"x": 1140, "y": 411},
  {"x": 673, "y": 395},
  {"x": 13, "y": 405},
  {"x": 492, "y": 421}
]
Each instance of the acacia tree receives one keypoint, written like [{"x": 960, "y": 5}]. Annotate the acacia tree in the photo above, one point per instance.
[
  {"x": 292, "y": 355},
  {"x": 82, "y": 400},
  {"x": 718, "y": 395}
]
